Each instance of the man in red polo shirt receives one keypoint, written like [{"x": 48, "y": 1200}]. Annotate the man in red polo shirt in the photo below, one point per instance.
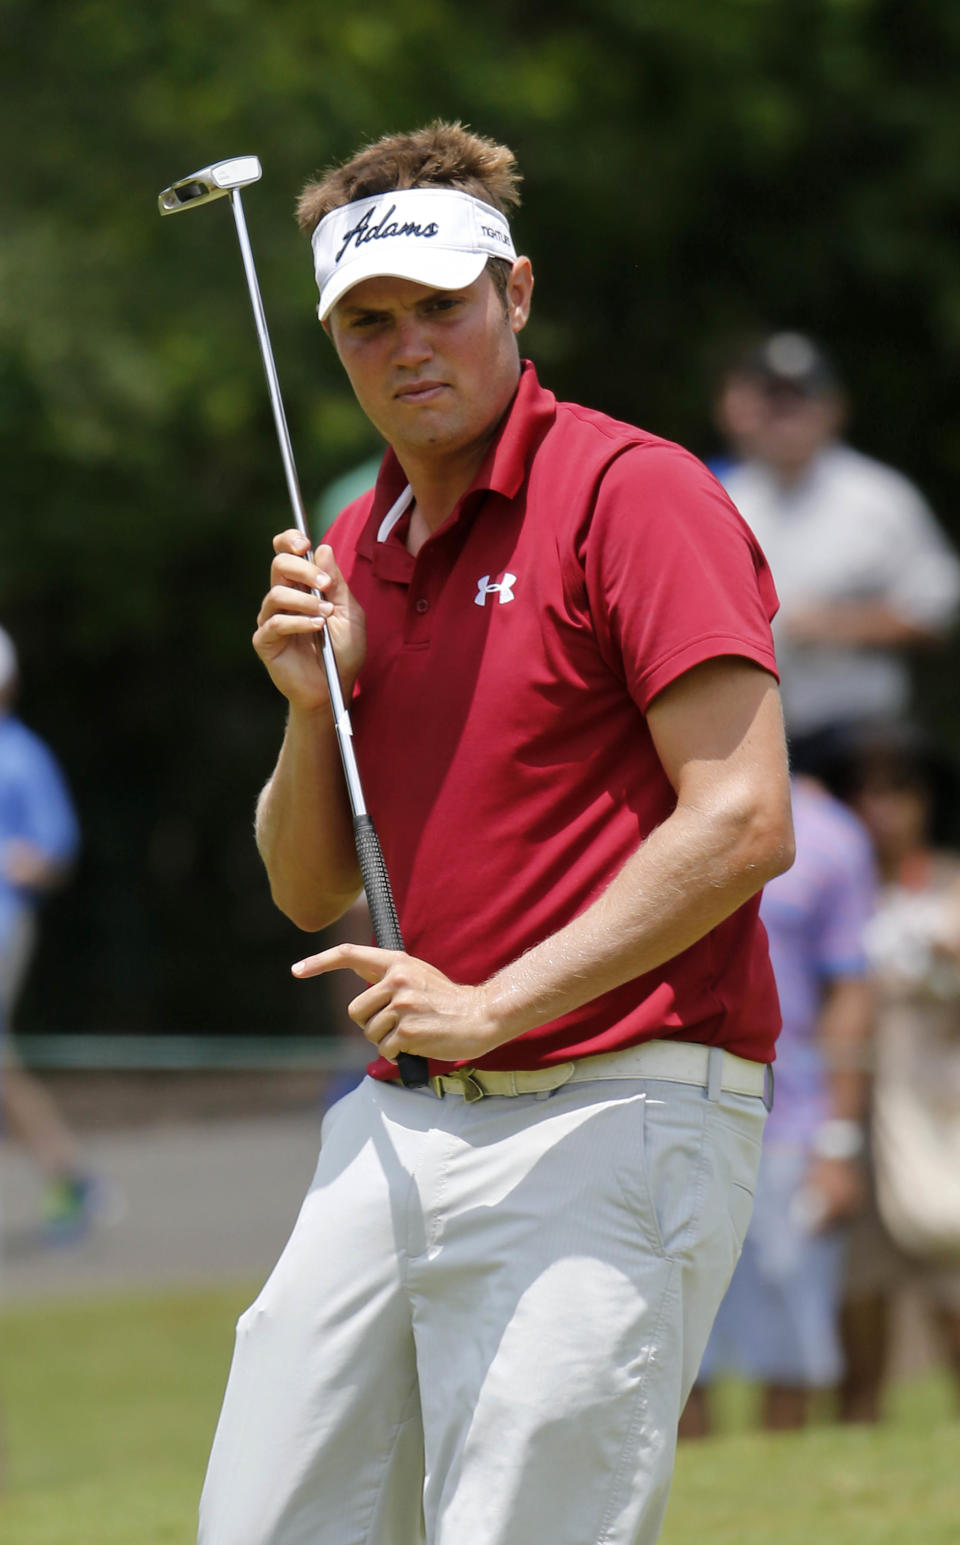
[{"x": 553, "y": 629}]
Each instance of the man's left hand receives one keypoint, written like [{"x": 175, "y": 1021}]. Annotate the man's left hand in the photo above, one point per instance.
[
  {"x": 838, "y": 1185},
  {"x": 409, "y": 1005}
]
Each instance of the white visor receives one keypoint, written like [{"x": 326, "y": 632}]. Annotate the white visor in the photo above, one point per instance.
[{"x": 435, "y": 236}]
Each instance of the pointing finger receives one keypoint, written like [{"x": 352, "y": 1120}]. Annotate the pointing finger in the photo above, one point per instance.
[{"x": 366, "y": 960}]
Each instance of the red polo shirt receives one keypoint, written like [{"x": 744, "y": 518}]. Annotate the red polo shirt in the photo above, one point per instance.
[{"x": 499, "y": 719}]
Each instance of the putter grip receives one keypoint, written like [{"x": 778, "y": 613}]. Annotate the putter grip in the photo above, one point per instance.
[{"x": 414, "y": 1072}]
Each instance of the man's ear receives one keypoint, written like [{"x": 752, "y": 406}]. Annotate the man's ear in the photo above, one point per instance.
[
  {"x": 519, "y": 293},
  {"x": 838, "y": 412}
]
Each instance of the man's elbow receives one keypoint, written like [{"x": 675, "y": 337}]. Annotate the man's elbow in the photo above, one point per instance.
[
  {"x": 770, "y": 848},
  {"x": 311, "y": 913},
  {"x": 757, "y": 840}
]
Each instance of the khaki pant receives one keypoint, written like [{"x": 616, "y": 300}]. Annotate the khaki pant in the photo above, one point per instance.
[{"x": 487, "y": 1320}]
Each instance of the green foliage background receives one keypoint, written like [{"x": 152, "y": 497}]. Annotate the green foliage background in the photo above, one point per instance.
[{"x": 691, "y": 171}]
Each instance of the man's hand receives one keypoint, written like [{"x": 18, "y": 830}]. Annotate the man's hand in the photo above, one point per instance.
[
  {"x": 409, "y": 1005},
  {"x": 839, "y": 1190},
  {"x": 23, "y": 863},
  {"x": 291, "y": 617}
]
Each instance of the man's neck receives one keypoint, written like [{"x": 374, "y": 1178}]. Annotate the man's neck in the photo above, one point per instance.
[
  {"x": 793, "y": 474},
  {"x": 438, "y": 486}
]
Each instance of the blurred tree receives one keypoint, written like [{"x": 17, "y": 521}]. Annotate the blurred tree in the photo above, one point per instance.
[{"x": 692, "y": 171}]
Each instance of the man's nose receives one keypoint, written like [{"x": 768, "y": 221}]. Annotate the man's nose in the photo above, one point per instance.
[{"x": 413, "y": 343}]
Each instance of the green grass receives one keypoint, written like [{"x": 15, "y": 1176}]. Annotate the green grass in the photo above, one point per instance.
[
  {"x": 895, "y": 1484},
  {"x": 110, "y": 1406}
]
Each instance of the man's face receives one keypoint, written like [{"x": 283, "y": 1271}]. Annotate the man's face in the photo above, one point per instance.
[
  {"x": 895, "y": 811},
  {"x": 433, "y": 370},
  {"x": 792, "y": 427}
]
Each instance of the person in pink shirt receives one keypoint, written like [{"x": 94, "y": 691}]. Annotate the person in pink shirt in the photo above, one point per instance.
[
  {"x": 553, "y": 630},
  {"x": 779, "y": 1323}
]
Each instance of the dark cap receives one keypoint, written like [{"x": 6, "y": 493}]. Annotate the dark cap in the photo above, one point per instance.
[{"x": 792, "y": 360}]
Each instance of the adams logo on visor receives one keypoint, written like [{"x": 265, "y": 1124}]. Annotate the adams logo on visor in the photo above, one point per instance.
[
  {"x": 436, "y": 236},
  {"x": 365, "y": 230}
]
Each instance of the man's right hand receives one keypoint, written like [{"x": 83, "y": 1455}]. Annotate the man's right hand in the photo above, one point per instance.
[{"x": 291, "y": 618}]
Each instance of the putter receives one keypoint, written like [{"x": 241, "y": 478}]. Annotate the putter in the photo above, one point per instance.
[{"x": 225, "y": 179}]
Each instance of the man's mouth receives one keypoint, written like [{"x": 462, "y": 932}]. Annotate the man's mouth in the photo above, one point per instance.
[{"x": 421, "y": 391}]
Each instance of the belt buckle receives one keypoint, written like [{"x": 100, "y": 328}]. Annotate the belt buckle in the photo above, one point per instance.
[{"x": 470, "y": 1086}]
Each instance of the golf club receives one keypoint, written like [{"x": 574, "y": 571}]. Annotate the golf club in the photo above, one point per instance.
[{"x": 222, "y": 179}]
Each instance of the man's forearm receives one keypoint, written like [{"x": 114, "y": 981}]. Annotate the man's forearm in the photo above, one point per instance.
[
  {"x": 689, "y": 875},
  {"x": 846, "y": 1028},
  {"x": 859, "y": 625},
  {"x": 304, "y": 828}
]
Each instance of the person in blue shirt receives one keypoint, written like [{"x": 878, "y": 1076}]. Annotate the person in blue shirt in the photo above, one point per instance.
[{"x": 39, "y": 841}]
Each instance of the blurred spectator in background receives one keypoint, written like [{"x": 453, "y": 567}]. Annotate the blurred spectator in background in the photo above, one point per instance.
[
  {"x": 39, "y": 838},
  {"x": 906, "y": 793},
  {"x": 863, "y": 571},
  {"x": 778, "y": 1324}
]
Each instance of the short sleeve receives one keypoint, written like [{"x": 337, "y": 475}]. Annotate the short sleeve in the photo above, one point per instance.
[
  {"x": 46, "y": 813},
  {"x": 847, "y": 902},
  {"x": 674, "y": 575}
]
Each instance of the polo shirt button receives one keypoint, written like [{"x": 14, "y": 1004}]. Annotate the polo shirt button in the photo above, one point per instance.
[{"x": 423, "y": 605}]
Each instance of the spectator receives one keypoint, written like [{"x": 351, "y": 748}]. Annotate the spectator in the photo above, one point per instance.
[
  {"x": 39, "y": 838},
  {"x": 863, "y": 571},
  {"x": 778, "y": 1322},
  {"x": 909, "y": 1235}
]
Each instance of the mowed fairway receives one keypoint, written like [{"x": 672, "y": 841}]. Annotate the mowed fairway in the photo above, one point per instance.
[{"x": 110, "y": 1405}]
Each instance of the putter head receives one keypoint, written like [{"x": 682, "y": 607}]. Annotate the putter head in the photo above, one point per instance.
[{"x": 212, "y": 182}]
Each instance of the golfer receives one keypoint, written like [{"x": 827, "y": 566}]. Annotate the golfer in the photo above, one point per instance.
[{"x": 553, "y": 630}]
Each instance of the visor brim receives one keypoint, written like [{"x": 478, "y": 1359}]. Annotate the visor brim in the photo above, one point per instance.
[{"x": 441, "y": 270}]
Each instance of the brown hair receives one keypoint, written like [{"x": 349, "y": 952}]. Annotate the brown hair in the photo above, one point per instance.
[{"x": 442, "y": 155}]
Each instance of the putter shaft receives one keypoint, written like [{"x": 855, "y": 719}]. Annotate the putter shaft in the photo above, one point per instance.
[{"x": 340, "y": 716}]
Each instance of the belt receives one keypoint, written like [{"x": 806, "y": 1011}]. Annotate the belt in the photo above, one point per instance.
[{"x": 678, "y": 1062}]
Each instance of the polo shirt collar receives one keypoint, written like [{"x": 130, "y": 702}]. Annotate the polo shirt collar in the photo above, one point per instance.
[
  {"x": 503, "y": 470},
  {"x": 525, "y": 423}
]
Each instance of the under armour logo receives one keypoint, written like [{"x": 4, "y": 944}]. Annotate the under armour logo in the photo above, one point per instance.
[{"x": 504, "y": 589}]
